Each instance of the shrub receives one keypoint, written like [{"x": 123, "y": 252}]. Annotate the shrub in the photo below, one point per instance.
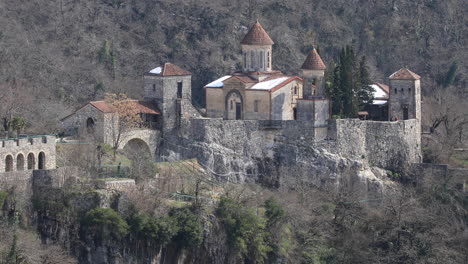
[
  {"x": 245, "y": 230},
  {"x": 190, "y": 232},
  {"x": 106, "y": 223},
  {"x": 156, "y": 230},
  {"x": 274, "y": 212}
]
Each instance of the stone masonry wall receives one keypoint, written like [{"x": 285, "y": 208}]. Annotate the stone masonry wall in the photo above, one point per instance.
[
  {"x": 389, "y": 145},
  {"x": 76, "y": 123},
  {"x": 273, "y": 153},
  {"x": 24, "y": 153},
  {"x": 426, "y": 175}
]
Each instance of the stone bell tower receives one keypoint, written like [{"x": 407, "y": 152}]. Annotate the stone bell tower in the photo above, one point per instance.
[
  {"x": 314, "y": 106},
  {"x": 257, "y": 50},
  {"x": 169, "y": 87},
  {"x": 313, "y": 72},
  {"x": 405, "y": 95}
]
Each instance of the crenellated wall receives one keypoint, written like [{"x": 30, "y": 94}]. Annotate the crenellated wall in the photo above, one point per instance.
[{"x": 29, "y": 153}]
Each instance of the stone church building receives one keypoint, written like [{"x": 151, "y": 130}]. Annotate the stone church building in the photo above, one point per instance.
[{"x": 260, "y": 93}]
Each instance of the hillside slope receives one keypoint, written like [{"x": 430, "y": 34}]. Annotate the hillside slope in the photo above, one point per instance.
[{"x": 66, "y": 52}]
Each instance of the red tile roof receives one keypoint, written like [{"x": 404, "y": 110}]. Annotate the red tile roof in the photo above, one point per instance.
[
  {"x": 169, "y": 69},
  {"x": 257, "y": 36},
  {"x": 142, "y": 107},
  {"x": 404, "y": 74},
  {"x": 313, "y": 61}
]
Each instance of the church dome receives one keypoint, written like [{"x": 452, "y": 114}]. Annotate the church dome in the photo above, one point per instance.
[
  {"x": 257, "y": 36},
  {"x": 313, "y": 62}
]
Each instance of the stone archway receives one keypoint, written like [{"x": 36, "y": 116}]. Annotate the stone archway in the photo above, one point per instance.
[
  {"x": 31, "y": 161},
  {"x": 42, "y": 161},
  {"x": 234, "y": 105},
  {"x": 20, "y": 162},
  {"x": 136, "y": 147},
  {"x": 8, "y": 163}
]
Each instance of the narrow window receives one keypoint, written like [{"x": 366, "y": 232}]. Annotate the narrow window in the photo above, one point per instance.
[
  {"x": 252, "y": 59},
  {"x": 262, "y": 59},
  {"x": 245, "y": 59},
  {"x": 154, "y": 87},
  {"x": 256, "y": 102},
  {"x": 295, "y": 90},
  {"x": 396, "y": 91},
  {"x": 179, "y": 90},
  {"x": 268, "y": 60},
  {"x": 409, "y": 90},
  {"x": 232, "y": 105},
  {"x": 402, "y": 91}
]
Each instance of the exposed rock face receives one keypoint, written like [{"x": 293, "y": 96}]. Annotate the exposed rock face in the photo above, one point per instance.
[{"x": 250, "y": 151}]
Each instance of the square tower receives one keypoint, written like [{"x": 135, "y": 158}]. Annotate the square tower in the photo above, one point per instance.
[
  {"x": 405, "y": 95},
  {"x": 169, "y": 87}
]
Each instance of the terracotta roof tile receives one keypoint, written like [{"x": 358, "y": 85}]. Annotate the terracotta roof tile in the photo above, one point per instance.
[
  {"x": 404, "y": 74},
  {"x": 313, "y": 62},
  {"x": 168, "y": 69},
  {"x": 142, "y": 107},
  {"x": 257, "y": 36}
]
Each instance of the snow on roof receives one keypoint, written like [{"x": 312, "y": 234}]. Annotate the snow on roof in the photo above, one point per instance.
[
  {"x": 379, "y": 102},
  {"x": 156, "y": 70},
  {"x": 270, "y": 84},
  {"x": 218, "y": 83},
  {"x": 379, "y": 93}
]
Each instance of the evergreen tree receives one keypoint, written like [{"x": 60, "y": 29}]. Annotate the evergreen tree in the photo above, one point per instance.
[
  {"x": 365, "y": 92},
  {"x": 348, "y": 84},
  {"x": 451, "y": 74}
]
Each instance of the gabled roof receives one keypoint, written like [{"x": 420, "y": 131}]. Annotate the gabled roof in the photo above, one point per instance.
[
  {"x": 142, "y": 107},
  {"x": 404, "y": 74},
  {"x": 379, "y": 92},
  {"x": 168, "y": 69},
  {"x": 313, "y": 61},
  {"x": 270, "y": 84},
  {"x": 383, "y": 87},
  {"x": 257, "y": 36}
]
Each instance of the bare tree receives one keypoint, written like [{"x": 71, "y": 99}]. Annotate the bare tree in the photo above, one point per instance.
[{"x": 124, "y": 119}]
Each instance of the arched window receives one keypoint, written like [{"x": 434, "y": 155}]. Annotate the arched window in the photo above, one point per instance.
[
  {"x": 245, "y": 59},
  {"x": 90, "y": 125},
  {"x": 409, "y": 90},
  {"x": 252, "y": 59},
  {"x": 20, "y": 162},
  {"x": 402, "y": 91},
  {"x": 31, "y": 161},
  {"x": 295, "y": 90},
  {"x": 262, "y": 59},
  {"x": 9, "y": 163},
  {"x": 396, "y": 91},
  {"x": 268, "y": 60},
  {"x": 42, "y": 161}
]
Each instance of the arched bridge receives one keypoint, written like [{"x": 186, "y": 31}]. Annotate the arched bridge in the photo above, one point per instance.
[
  {"x": 143, "y": 140},
  {"x": 28, "y": 153}
]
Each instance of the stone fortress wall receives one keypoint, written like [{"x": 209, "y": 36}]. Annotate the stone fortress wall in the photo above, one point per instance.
[
  {"x": 388, "y": 145},
  {"x": 29, "y": 153}
]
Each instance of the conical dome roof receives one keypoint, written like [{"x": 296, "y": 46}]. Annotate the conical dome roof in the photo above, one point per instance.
[
  {"x": 257, "y": 36},
  {"x": 313, "y": 62}
]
